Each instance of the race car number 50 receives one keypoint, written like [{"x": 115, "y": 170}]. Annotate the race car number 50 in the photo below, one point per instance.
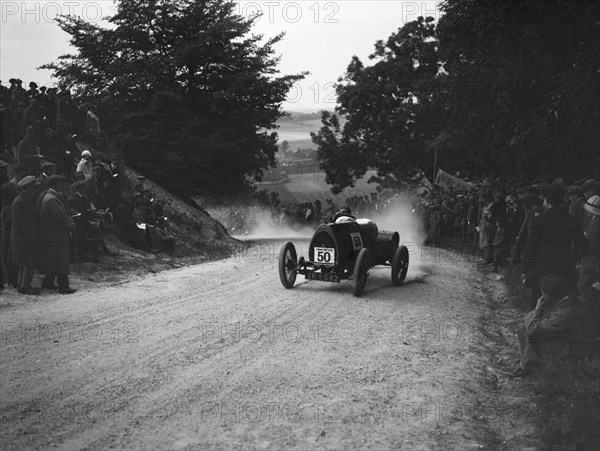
[{"x": 325, "y": 255}]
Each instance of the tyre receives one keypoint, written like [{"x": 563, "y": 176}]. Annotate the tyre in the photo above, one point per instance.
[
  {"x": 288, "y": 263},
  {"x": 399, "y": 265},
  {"x": 361, "y": 272}
]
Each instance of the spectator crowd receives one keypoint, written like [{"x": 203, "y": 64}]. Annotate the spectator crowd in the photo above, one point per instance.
[{"x": 60, "y": 191}]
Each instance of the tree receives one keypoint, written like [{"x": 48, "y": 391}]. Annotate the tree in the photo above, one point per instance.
[
  {"x": 184, "y": 89},
  {"x": 509, "y": 87},
  {"x": 387, "y": 107},
  {"x": 525, "y": 79}
]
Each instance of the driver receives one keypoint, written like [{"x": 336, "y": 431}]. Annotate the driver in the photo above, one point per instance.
[{"x": 344, "y": 215}]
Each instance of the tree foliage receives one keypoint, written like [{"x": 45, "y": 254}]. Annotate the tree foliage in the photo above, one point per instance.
[
  {"x": 184, "y": 87},
  {"x": 510, "y": 87}
]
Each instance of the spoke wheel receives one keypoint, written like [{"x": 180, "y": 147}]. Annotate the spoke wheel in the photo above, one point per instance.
[
  {"x": 399, "y": 265},
  {"x": 288, "y": 265},
  {"x": 361, "y": 272}
]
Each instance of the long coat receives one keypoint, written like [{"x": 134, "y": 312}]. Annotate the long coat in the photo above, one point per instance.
[
  {"x": 24, "y": 233},
  {"x": 555, "y": 241},
  {"x": 5, "y": 226},
  {"x": 56, "y": 223}
]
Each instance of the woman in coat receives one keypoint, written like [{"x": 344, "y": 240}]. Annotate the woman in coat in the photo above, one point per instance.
[{"x": 24, "y": 249}]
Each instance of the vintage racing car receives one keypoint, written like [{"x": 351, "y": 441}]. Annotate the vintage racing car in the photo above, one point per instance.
[{"x": 344, "y": 250}]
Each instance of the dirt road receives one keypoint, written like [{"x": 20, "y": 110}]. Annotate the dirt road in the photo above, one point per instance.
[{"x": 221, "y": 356}]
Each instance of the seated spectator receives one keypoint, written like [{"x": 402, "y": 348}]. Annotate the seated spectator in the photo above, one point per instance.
[
  {"x": 84, "y": 224},
  {"x": 545, "y": 331}
]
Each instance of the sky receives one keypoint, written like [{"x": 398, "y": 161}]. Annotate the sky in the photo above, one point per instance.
[{"x": 321, "y": 37}]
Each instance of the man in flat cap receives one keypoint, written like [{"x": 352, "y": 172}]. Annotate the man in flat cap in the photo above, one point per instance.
[
  {"x": 56, "y": 225},
  {"x": 24, "y": 249},
  {"x": 554, "y": 243}
]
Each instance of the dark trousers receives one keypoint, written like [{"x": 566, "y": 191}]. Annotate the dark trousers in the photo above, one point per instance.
[{"x": 63, "y": 280}]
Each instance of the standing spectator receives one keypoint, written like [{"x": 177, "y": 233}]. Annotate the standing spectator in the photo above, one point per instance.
[
  {"x": 32, "y": 92},
  {"x": 589, "y": 189},
  {"x": 499, "y": 243},
  {"x": 590, "y": 268},
  {"x": 554, "y": 243},
  {"x": 24, "y": 235},
  {"x": 472, "y": 220},
  {"x": 56, "y": 223},
  {"x": 576, "y": 202},
  {"x": 486, "y": 232},
  {"x": 48, "y": 170},
  {"x": 85, "y": 165},
  {"x": 435, "y": 225},
  {"x": 27, "y": 148},
  {"x": 10, "y": 272},
  {"x": 65, "y": 110}
]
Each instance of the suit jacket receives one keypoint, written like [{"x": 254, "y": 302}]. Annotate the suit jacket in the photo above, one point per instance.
[
  {"x": 56, "y": 225},
  {"x": 555, "y": 241}
]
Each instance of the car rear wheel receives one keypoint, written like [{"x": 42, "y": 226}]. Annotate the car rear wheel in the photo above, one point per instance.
[
  {"x": 288, "y": 264},
  {"x": 399, "y": 265},
  {"x": 361, "y": 272}
]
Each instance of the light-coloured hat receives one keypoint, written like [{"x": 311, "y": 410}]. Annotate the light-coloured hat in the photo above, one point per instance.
[
  {"x": 593, "y": 205},
  {"x": 86, "y": 153}
]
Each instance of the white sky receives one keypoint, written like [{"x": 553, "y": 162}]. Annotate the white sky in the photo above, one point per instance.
[{"x": 321, "y": 37}]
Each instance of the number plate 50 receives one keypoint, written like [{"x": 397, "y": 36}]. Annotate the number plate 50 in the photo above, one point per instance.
[{"x": 324, "y": 255}]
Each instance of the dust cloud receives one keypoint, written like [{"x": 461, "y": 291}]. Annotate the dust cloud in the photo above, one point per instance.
[{"x": 396, "y": 214}]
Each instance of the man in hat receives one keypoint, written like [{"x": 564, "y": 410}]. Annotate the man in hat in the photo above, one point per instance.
[
  {"x": 48, "y": 170},
  {"x": 590, "y": 267},
  {"x": 24, "y": 249},
  {"x": 85, "y": 165},
  {"x": 554, "y": 243},
  {"x": 32, "y": 92},
  {"x": 56, "y": 225},
  {"x": 84, "y": 226},
  {"x": 576, "y": 201}
]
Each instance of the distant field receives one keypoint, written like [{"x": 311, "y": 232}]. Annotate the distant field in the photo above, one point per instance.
[
  {"x": 311, "y": 186},
  {"x": 297, "y": 132}
]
